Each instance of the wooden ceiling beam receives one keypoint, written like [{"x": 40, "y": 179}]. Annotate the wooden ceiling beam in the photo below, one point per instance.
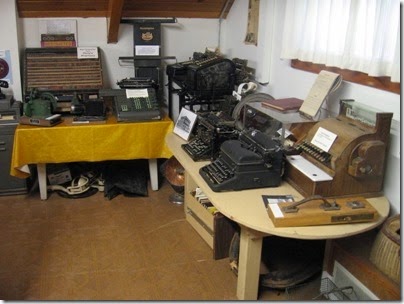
[
  {"x": 167, "y": 14},
  {"x": 115, "y": 10},
  {"x": 226, "y": 8},
  {"x": 114, "y": 19}
]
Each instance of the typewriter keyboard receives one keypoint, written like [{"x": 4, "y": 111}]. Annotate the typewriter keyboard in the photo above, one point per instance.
[
  {"x": 196, "y": 147},
  {"x": 218, "y": 171}
]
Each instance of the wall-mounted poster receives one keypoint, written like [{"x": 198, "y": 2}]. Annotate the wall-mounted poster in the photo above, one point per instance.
[
  {"x": 5, "y": 66},
  {"x": 252, "y": 27}
]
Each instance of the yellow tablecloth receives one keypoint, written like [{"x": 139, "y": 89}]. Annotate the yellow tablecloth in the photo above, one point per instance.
[{"x": 68, "y": 142}]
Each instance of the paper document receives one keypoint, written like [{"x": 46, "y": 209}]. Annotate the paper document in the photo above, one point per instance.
[
  {"x": 137, "y": 93},
  {"x": 323, "y": 139},
  {"x": 324, "y": 84}
]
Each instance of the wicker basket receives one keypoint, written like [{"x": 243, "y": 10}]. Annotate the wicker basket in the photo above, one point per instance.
[{"x": 385, "y": 252}]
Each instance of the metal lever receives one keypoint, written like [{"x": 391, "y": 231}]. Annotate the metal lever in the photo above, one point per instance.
[{"x": 326, "y": 205}]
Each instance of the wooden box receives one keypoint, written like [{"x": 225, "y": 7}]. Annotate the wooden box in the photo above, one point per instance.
[
  {"x": 55, "y": 69},
  {"x": 322, "y": 212}
]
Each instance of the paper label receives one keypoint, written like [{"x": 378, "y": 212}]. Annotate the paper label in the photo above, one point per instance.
[
  {"x": 323, "y": 139},
  {"x": 87, "y": 52},
  {"x": 137, "y": 93},
  {"x": 147, "y": 50}
]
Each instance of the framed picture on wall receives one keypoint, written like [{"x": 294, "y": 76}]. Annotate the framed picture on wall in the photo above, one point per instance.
[{"x": 185, "y": 123}]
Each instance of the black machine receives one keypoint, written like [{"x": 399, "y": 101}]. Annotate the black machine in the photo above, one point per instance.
[
  {"x": 138, "y": 83},
  {"x": 10, "y": 110},
  {"x": 203, "y": 81},
  {"x": 252, "y": 161},
  {"x": 205, "y": 77},
  {"x": 135, "y": 102},
  {"x": 212, "y": 130},
  {"x": 211, "y": 77},
  {"x": 147, "y": 47}
]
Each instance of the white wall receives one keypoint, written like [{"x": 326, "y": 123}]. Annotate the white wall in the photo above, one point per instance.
[
  {"x": 9, "y": 41},
  {"x": 285, "y": 81}
]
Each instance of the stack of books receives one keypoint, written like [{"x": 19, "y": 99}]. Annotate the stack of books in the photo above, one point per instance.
[{"x": 58, "y": 40}]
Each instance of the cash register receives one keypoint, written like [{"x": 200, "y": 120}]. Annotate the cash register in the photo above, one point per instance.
[{"x": 342, "y": 155}]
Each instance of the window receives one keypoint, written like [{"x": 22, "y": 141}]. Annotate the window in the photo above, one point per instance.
[{"x": 356, "y": 35}]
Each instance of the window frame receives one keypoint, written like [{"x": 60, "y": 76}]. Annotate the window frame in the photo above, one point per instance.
[{"x": 382, "y": 83}]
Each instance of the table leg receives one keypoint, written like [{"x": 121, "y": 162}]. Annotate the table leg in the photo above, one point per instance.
[
  {"x": 154, "y": 174},
  {"x": 43, "y": 191},
  {"x": 248, "y": 265}
]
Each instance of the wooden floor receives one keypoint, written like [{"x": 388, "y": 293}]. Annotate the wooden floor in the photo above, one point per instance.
[{"x": 126, "y": 248}]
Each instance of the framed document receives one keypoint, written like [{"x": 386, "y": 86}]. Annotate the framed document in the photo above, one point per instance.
[{"x": 185, "y": 123}]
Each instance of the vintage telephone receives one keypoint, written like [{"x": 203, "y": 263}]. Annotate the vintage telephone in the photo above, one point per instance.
[
  {"x": 3, "y": 84},
  {"x": 40, "y": 105}
]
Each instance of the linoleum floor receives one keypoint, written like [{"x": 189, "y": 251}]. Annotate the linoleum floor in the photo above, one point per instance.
[{"x": 126, "y": 248}]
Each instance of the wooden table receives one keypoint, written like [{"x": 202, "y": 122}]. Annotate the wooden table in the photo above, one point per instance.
[
  {"x": 82, "y": 142},
  {"x": 247, "y": 209}
]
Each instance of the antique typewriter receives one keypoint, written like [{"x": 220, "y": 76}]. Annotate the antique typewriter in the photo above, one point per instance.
[
  {"x": 137, "y": 83},
  {"x": 214, "y": 76},
  {"x": 212, "y": 130},
  {"x": 252, "y": 161},
  {"x": 205, "y": 75},
  {"x": 179, "y": 70}
]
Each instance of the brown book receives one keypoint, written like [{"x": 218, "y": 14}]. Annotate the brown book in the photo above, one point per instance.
[
  {"x": 284, "y": 104},
  {"x": 43, "y": 122}
]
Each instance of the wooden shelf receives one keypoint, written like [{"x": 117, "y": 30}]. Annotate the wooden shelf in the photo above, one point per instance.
[{"x": 216, "y": 230}]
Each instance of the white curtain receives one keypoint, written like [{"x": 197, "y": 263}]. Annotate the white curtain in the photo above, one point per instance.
[{"x": 359, "y": 35}]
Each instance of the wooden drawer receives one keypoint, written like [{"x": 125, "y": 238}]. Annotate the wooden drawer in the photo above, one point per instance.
[{"x": 216, "y": 229}]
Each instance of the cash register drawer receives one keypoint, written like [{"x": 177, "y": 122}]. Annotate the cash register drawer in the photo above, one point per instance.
[{"x": 216, "y": 229}]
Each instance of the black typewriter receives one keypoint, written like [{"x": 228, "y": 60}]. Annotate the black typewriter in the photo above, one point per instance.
[
  {"x": 137, "y": 83},
  {"x": 252, "y": 161},
  {"x": 212, "y": 130}
]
